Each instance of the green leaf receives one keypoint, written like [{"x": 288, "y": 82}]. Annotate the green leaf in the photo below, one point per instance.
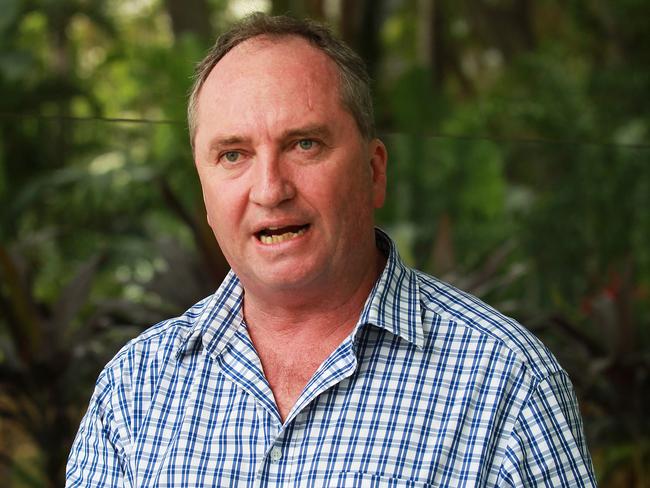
[{"x": 9, "y": 9}]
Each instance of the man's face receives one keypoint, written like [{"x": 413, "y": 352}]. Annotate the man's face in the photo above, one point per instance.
[{"x": 289, "y": 184}]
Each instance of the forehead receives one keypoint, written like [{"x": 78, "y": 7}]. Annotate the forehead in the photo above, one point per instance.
[
  {"x": 275, "y": 55},
  {"x": 288, "y": 62},
  {"x": 271, "y": 77}
]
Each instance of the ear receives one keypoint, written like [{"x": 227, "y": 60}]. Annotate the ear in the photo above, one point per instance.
[
  {"x": 378, "y": 160},
  {"x": 208, "y": 217}
]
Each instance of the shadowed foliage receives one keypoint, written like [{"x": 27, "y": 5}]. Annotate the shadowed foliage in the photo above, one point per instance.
[{"x": 518, "y": 141}]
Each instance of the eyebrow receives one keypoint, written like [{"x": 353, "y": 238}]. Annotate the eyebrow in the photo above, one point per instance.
[
  {"x": 219, "y": 142},
  {"x": 308, "y": 131},
  {"x": 317, "y": 130}
]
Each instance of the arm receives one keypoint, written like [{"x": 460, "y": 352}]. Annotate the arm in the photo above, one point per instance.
[
  {"x": 547, "y": 445},
  {"x": 97, "y": 457}
]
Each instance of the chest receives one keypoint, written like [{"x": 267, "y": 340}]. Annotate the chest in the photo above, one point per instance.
[
  {"x": 388, "y": 420},
  {"x": 288, "y": 371}
]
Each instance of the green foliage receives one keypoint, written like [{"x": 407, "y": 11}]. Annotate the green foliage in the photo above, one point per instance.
[{"x": 518, "y": 170}]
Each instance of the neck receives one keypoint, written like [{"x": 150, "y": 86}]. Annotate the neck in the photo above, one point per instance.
[
  {"x": 293, "y": 333},
  {"x": 301, "y": 316}
]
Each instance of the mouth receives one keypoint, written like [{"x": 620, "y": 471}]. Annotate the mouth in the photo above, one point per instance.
[{"x": 276, "y": 235}]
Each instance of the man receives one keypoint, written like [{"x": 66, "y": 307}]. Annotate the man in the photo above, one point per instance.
[{"x": 322, "y": 360}]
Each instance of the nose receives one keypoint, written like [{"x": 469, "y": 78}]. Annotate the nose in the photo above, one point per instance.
[{"x": 271, "y": 184}]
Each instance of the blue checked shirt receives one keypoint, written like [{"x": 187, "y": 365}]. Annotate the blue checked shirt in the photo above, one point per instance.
[{"x": 432, "y": 388}]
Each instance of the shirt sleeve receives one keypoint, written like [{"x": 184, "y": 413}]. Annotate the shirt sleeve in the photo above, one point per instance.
[
  {"x": 547, "y": 446},
  {"x": 97, "y": 456}
]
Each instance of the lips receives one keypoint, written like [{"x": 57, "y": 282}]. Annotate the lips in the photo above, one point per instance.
[{"x": 277, "y": 234}]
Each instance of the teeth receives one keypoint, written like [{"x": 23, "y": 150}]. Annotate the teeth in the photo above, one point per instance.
[{"x": 275, "y": 239}]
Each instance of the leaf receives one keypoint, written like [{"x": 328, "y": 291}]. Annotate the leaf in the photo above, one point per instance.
[
  {"x": 19, "y": 472},
  {"x": 25, "y": 327},
  {"x": 16, "y": 65},
  {"x": 74, "y": 295},
  {"x": 9, "y": 9}
]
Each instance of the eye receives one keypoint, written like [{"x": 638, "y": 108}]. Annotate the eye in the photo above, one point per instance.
[
  {"x": 231, "y": 156},
  {"x": 306, "y": 144}
]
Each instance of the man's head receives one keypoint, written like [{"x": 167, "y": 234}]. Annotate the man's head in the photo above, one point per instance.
[
  {"x": 289, "y": 180},
  {"x": 354, "y": 83}
]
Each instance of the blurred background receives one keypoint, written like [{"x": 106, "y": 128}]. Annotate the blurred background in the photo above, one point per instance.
[{"x": 519, "y": 142}]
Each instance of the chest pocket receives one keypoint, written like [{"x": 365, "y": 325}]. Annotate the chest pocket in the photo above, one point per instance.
[{"x": 365, "y": 480}]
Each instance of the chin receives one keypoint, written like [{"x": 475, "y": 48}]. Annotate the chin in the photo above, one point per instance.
[{"x": 286, "y": 279}]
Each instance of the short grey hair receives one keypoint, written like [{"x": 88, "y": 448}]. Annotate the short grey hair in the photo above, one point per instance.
[{"x": 353, "y": 77}]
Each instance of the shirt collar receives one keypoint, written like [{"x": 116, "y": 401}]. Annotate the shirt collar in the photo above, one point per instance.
[
  {"x": 393, "y": 305},
  {"x": 220, "y": 318},
  {"x": 394, "y": 302}
]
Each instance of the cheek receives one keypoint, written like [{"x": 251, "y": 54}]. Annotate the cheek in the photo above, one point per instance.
[
  {"x": 221, "y": 207},
  {"x": 348, "y": 197}
]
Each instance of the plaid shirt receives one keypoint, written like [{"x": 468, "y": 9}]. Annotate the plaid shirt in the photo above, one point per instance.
[{"x": 432, "y": 388}]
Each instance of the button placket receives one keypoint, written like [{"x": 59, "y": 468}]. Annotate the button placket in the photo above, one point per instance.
[{"x": 275, "y": 454}]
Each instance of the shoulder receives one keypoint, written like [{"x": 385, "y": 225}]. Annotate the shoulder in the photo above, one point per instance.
[
  {"x": 150, "y": 354},
  {"x": 165, "y": 337},
  {"x": 469, "y": 315}
]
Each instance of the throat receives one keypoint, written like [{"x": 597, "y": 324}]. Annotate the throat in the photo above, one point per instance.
[
  {"x": 290, "y": 359},
  {"x": 288, "y": 380}
]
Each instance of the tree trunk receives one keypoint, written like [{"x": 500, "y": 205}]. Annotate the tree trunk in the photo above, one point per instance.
[
  {"x": 190, "y": 16},
  {"x": 360, "y": 25},
  {"x": 314, "y": 9}
]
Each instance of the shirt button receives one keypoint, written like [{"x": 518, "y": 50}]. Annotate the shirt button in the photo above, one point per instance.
[{"x": 276, "y": 454}]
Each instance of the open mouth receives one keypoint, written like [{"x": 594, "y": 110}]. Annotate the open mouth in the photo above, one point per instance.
[{"x": 275, "y": 235}]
